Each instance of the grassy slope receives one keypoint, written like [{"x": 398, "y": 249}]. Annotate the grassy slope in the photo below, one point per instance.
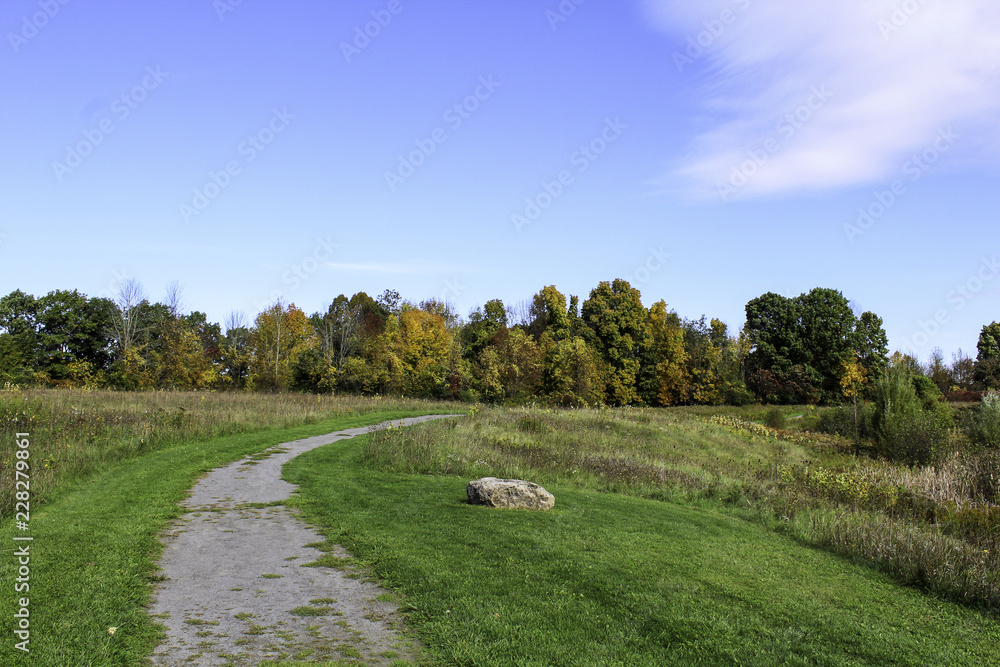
[
  {"x": 94, "y": 545},
  {"x": 611, "y": 580}
]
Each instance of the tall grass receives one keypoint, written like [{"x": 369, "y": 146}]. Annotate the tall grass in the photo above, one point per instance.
[
  {"x": 932, "y": 526},
  {"x": 76, "y": 432}
]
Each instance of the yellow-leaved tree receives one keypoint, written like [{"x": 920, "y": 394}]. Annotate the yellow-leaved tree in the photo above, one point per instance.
[
  {"x": 279, "y": 335},
  {"x": 667, "y": 342},
  {"x": 852, "y": 382}
]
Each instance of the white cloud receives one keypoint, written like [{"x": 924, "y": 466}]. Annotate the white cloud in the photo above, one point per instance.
[{"x": 896, "y": 72}]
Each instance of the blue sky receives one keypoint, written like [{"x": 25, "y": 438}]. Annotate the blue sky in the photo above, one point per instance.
[{"x": 707, "y": 152}]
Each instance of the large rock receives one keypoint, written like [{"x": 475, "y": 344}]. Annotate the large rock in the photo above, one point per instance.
[{"x": 515, "y": 493}]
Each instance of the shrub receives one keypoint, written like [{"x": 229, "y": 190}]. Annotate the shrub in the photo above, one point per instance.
[
  {"x": 840, "y": 421},
  {"x": 774, "y": 418},
  {"x": 983, "y": 427},
  {"x": 737, "y": 394},
  {"x": 904, "y": 430}
]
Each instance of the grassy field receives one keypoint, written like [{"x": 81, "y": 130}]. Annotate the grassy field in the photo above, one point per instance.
[
  {"x": 928, "y": 526},
  {"x": 94, "y": 537},
  {"x": 76, "y": 433},
  {"x": 692, "y": 536},
  {"x": 678, "y": 537}
]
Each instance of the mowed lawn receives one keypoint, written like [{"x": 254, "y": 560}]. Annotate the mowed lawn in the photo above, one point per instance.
[
  {"x": 605, "y": 579},
  {"x": 95, "y": 545}
]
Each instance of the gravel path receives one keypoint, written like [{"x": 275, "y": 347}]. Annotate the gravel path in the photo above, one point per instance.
[{"x": 236, "y": 590}]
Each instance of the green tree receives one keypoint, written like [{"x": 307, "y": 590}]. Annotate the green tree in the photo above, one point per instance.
[
  {"x": 871, "y": 345},
  {"x": 618, "y": 320},
  {"x": 772, "y": 329},
  {"x": 799, "y": 346},
  {"x": 388, "y": 303},
  {"x": 509, "y": 367},
  {"x": 73, "y": 342},
  {"x": 235, "y": 352},
  {"x": 828, "y": 336},
  {"x": 19, "y": 337},
  {"x": 60, "y": 338},
  {"x": 574, "y": 374},
  {"x": 987, "y": 372},
  {"x": 483, "y": 324},
  {"x": 549, "y": 314},
  {"x": 989, "y": 341},
  {"x": 704, "y": 360},
  {"x": 183, "y": 357}
]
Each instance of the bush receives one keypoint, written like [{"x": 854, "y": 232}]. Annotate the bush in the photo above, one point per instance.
[
  {"x": 738, "y": 394},
  {"x": 774, "y": 418},
  {"x": 983, "y": 427},
  {"x": 904, "y": 430},
  {"x": 840, "y": 421}
]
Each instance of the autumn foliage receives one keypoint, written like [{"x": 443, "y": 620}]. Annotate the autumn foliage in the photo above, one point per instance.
[{"x": 610, "y": 349}]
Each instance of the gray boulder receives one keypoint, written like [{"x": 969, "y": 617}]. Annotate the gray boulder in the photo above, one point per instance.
[{"x": 515, "y": 493}]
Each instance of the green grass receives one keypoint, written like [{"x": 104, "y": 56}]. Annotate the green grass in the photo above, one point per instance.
[
  {"x": 307, "y": 610},
  {"x": 95, "y": 544},
  {"x": 929, "y": 526},
  {"x": 647, "y": 558},
  {"x": 612, "y": 579}
]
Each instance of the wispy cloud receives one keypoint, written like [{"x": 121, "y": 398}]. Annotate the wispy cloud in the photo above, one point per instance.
[{"x": 894, "y": 73}]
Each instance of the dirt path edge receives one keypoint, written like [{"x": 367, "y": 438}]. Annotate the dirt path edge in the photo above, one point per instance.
[{"x": 236, "y": 588}]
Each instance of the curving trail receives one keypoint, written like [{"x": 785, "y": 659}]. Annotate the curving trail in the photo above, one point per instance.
[{"x": 233, "y": 574}]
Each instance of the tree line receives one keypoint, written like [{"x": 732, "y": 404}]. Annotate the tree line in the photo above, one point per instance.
[{"x": 609, "y": 349}]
